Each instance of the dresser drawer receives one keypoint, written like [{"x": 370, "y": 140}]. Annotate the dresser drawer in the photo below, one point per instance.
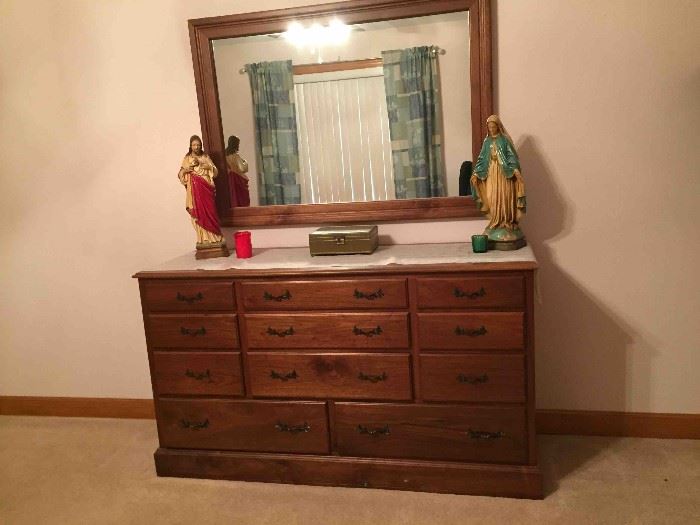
[
  {"x": 325, "y": 295},
  {"x": 385, "y": 330},
  {"x": 262, "y": 426},
  {"x": 497, "y": 378},
  {"x": 197, "y": 373},
  {"x": 479, "y": 434},
  {"x": 350, "y": 376},
  {"x": 193, "y": 331},
  {"x": 471, "y": 292},
  {"x": 188, "y": 296},
  {"x": 471, "y": 331}
]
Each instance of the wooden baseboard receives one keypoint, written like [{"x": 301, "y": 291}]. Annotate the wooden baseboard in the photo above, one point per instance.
[
  {"x": 77, "y": 407},
  {"x": 576, "y": 422},
  {"x": 623, "y": 424}
]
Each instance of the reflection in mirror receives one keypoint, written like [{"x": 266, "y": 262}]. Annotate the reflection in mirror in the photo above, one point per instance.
[{"x": 383, "y": 115}]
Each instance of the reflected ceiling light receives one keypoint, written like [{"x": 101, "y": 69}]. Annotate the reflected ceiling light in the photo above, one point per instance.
[
  {"x": 317, "y": 36},
  {"x": 339, "y": 32}
]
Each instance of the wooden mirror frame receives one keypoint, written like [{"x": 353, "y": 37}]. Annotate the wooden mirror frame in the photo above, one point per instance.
[{"x": 203, "y": 31}]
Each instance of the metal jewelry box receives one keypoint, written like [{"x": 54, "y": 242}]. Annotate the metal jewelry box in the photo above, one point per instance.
[{"x": 343, "y": 240}]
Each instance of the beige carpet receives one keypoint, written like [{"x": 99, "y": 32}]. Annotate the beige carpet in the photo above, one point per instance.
[{"x": 74, "y": 471}]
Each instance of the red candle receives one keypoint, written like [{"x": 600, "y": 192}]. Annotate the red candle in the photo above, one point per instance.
[{"x": 244, "y": 248}]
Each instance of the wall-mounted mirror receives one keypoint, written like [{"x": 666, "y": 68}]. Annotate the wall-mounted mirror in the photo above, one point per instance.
[{"x": 363, "y": 110}]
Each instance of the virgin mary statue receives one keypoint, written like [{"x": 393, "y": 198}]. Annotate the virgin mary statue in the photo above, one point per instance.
[{"x": 498, "y": 188}]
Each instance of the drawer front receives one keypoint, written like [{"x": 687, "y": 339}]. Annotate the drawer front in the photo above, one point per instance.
[
  {"x": 462, "y": 433},
  {"x": 260, "y": 426},
  {"x": 193, "y": 331},
  {"x": 383, "y": 330},
  {"x": 188, "y": 296},
  {"x": 473, "y": 378},
  {"x": 349, "y": 376},
  {"x": 471, "y": 331},
  {"x": 471, "y": 292},
  {"x": 325, "y": 295},
  {"x": 198, "y": 373}
]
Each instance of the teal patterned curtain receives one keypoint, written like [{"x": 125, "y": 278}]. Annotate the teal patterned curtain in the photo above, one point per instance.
[
  {"x": 277, "y": 151},
  {"x": 415, "y": 122}
]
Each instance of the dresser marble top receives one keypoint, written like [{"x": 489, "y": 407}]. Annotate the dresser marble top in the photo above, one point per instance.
[{"x": 397, "y": 254}]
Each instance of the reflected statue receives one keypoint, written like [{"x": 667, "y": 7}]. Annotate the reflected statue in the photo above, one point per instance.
[
  {"x": 498, "y": 188},
  {"x": 197, "y": 174},
  {"x": 237, "y": 173}
]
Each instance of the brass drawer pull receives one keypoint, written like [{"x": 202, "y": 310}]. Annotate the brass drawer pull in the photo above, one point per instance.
[
  {"x": 373, "y": 378},
  {"x": 199, "y": 376},
  {"x": 190, "y": 299},
  {"x": 193, "y": 425},
  {"x": 369, "y": 296},
  {"x": 472, "y": 380},
  {"x": 381, "y": 431},
  {"x": 482, "y": 434},
  {"x": 193, "y": 332},
  {"x": 469, "y": 332},
  {"x": 283, "y": 377},
  {"x": 469, "y": 295},
  {"x": 293, "y": 429},
  {"x": 286, "y": 296},
  {"x": 367, "y": 333},
  {"x": 280, "y": 333}
]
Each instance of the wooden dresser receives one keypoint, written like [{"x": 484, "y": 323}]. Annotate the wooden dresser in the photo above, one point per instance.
[{"x": 412, "y": 368}]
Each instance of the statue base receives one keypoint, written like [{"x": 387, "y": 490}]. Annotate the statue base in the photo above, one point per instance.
[
  {"x": 211, "y": 250},
  {"x": 505, "y": 239},
  {"x": 507, "y": 245}
]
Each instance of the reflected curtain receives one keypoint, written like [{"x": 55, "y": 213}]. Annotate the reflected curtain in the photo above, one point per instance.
[
  {"x": 277, "y": 149},
  {"x": 413, "y": 101}
]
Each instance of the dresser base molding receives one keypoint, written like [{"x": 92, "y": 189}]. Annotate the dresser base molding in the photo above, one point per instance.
[{"x": 420, "y": 476}]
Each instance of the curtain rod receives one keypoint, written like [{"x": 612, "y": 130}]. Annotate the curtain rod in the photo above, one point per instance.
[{"x": 434, "y": 50}]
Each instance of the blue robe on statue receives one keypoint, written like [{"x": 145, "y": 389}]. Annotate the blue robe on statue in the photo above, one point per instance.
[{"x": 507, "y": 158}]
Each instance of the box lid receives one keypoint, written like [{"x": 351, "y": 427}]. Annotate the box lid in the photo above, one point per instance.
[{"x": 354, "y": 231}]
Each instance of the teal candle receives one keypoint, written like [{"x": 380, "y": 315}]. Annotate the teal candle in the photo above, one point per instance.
[{"x": 480, "y": 243}]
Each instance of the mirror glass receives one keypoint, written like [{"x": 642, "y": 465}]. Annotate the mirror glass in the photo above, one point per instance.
[{"x": 335, "y": 116}]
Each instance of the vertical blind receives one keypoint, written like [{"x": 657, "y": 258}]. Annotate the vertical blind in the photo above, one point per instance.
[{"x": 344, "y": 144}]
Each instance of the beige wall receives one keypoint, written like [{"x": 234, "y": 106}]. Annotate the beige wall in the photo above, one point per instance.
[{"x": 96, "y": 104}]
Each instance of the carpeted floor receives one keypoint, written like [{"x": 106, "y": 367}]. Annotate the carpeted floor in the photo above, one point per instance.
[{"x": 74, "y": 471}]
